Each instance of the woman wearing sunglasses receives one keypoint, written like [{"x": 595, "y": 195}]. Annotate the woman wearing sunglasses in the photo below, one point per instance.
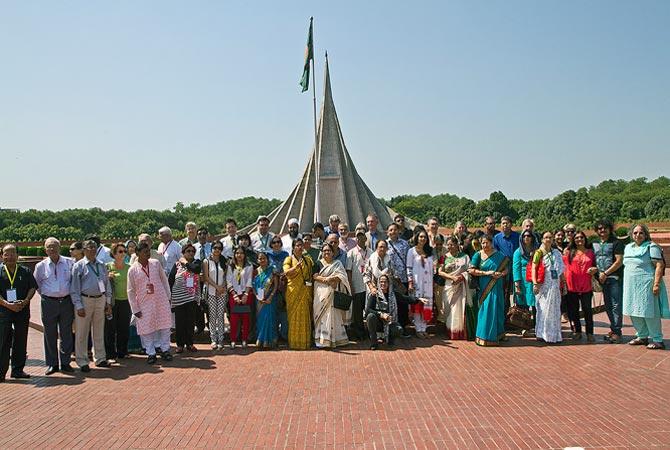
[
  {"x": 184, "y": 282},
  {"x": 117, "y": 328}
]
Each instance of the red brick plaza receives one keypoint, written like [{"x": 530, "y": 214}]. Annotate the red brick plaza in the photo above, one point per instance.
[{"x": 422, "y": 394}]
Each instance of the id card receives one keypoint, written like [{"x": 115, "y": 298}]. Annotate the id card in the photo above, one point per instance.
[
  {"x": 260, "y": 294},
  {"x": 11, "y": 295},
  {"x": 101, "y": 286},
  {"x": 150, "y": 288},
  {"x": 189, "y": 282},
  {"x": 554, "y": 274}
]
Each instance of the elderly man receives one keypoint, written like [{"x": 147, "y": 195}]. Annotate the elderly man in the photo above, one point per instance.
[
  {"x": 433, "y": 230},
  {"x": 490, "y": 226},
  {"x": 103, "y": 253},
  {"x": 333, "y": 224},
  {"x": 357, "y": 258},
  {"x": 260, "y": 239},
  {"x": 53, "y": 276},
  {"x": 191, "y": 234},
  {"x": 373, "y": 235},
  {"x": 229, "y": 241},
  {"x": 154, "y": 254},
  {"x": 293, "y": 233},
  {"x": 345, "y": 242},
  {"x": 169, "y": 248},
  {"x": 91, "y": 295},
  {"x": 17, "y": 287},
  {"x": 332, "y": 240}
]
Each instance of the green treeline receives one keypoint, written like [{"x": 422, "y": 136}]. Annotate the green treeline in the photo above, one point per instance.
[{"x": 618, "y": 200}]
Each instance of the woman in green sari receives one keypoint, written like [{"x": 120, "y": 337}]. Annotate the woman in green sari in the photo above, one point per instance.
[{"x": 490, "y": 267}]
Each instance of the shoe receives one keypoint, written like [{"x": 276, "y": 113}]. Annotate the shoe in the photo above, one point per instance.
[
  {"x": 614, "y": 339},
  {"x": 652, "y": 346},
  {"x": 405, "y": 334},
  {"x": 166, "y": 356},
  {"x": 20, "y": 375},
  {"x": 179, "y": 350},
  {"x": 121, "y": 356},
  {"x": 191, "y": 348},
  {"x": 68, "y": 368},
  {"x": 219, "y": 347},
  {"x": 244, "y": 344},
  {"x": 374, "y": 346},
  {"x": 151, "y": 359},
  {"x": 85, "y": 368},
  {"x": 590, "y": 338},
  {"x": 104, "y": 363},
  {"x": 576, "y": 336},
  {"x": 608, "y": 336},
  {"x": 214, "y": 346},
  {"x": 51, "y": 370},
  {"x": 232, "y": 345},
  {"x": 639, "y": 341}
]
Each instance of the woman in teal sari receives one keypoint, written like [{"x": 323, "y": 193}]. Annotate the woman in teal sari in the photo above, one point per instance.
[
  {"x": 645, "y": 298},
  {"x": 490, "y": 267},
  {"x": 265, "y": 288}
]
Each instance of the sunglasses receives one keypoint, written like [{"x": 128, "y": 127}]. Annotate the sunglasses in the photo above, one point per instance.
[{"x": 217, "y": 248}]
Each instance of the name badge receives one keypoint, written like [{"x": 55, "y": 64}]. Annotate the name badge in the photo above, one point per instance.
[
  {"x": 308, "y": 283},
  {"x": 11, "y": 295},
  {"x": 189, "y": 282},
  {"x": 554, "y": 274},
  {"x": 150, "y": 288},
  {"x": 101, "y": 286},
  {"x": 260, "y": 294}
]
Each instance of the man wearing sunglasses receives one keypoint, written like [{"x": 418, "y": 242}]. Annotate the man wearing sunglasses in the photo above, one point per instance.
[
  {"x": 609, "y": 261},
  {"x": 404, "y": 232}
]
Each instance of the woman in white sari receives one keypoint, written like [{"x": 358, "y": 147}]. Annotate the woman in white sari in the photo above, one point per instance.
[
  {"x": 453, "y": 267},
  {"x": 329, "y": 331}
]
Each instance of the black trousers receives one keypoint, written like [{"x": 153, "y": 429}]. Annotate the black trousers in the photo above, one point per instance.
[
  {"x": 117, "y": 330},
  {"x": 57, "y": 319},
  {"x": 184, "y": 318},
  {"x": 375, "y": 324},
  {"x": 574, "y": 300},
  {"x": 357, "y": 306},
  {"x": 13, "y": 339},
  {"x": 403, "y": 308}
]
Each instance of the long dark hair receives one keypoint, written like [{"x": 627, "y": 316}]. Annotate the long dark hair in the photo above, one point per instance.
[
  {"x": 572, "y": 248},
  {"x": 427, "y": 249},
  {"x": 232, "y": 260}
]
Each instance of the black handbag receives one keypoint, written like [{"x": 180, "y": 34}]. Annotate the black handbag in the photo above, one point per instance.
[
  {"x": 342, "y": 300},
  {"x": 241, "y": 308}
]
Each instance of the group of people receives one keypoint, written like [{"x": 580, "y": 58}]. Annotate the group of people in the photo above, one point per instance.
[{"x": 325, "y": 288}]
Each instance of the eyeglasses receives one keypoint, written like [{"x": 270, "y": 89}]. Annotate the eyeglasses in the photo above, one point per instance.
[
  {"x": 636, "y": 233},
  {"x": 217, "y": 248}
]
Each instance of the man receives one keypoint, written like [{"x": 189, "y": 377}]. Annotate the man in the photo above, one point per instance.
[
  {"x": 260, "y": 239},
  {"x": 333, "y": 224},
  {"x": 403, "y": 232},
  {"x": 53, "y": 276},
  {"x": 202, "y": 248},
  {"x": 144, "y": 237},
  {"x": 293, "y": 233},
  {"x": 397, "y": 252},
  {"x": 332, "y": 240},
  {"x": 230, "y": 240},
  {"x": 609, "y": 273},
  {"x": 345, "y": 242},
  {"x": 373, "y": 235},
  {"x": 529, "y": 225},
  {"x": 17, "y": 287},
  {"x": 169, "y": 248},
  {"x": 91, "y": 295},
  {"x": 433, "y": 230},
  {"x": 318, "y": 235},
  {"x": 103, "y": 254},
  {"x": 356, "y": 259},
  {"x": 506, "y": 242},
  {"x": 490, "y": 226},
  {"x": 191, "y": 234}
]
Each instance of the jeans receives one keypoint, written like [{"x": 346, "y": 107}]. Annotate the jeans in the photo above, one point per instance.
[{"x": 613, "y": 296}]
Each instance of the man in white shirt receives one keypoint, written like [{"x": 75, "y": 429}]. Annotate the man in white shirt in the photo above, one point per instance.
[
  {"x": 293, "y": 233},
  {"x": 230, "y": 241},
  {"x": 356, "y": 260},
  {"x": 202, "y": 248},
  {"x": 260, "y": 239},
  {"x": 169, "y": 248}
]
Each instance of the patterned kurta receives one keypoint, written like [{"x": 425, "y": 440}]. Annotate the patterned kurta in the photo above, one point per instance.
[{"x": 155, "y": 307}]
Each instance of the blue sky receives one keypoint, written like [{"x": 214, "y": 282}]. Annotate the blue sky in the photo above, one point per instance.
[{"x": 143, "y": 104}]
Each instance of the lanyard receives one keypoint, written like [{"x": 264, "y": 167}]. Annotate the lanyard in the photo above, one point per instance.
[
  {"x": 95, "y": 269},
  {"x": 165, "y": 248},
  {"x": 146, "y": 271},
  {"x": 264, "y": 242},
  {"x": 11, "y": 278}
]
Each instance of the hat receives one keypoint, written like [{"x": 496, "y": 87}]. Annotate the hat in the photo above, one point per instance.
[
  {"x": 261, "y": 217},
  {"x": 293, "y": 221}
]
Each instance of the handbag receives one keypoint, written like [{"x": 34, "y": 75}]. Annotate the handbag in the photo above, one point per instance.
[
  {"x": 540, "y": 272},
  {"x": 595, "y": 285},
  {"x": 519, "y": 317},
  {"x": 342, "y": 301},
  {"x": 241, "y": 308}
]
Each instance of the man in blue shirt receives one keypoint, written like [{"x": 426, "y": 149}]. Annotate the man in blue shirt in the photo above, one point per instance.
[{"x": 506, "y": 242}]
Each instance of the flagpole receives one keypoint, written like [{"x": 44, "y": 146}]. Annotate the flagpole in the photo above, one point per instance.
[{"x": 317, "y": 154}]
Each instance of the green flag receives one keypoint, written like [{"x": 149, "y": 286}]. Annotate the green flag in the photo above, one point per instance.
[{"x": 309, "y": 55}]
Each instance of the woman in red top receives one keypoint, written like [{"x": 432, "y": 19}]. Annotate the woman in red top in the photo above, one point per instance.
[{"x": 579, "y": 260}]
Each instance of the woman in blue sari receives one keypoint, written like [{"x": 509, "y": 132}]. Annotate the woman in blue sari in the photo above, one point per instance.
[
  {"x": 265, "y": 288},
  {"x": 490, "y": 267}
]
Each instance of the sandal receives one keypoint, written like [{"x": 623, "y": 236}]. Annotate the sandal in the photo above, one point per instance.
[
  {"x": 656, "y": 346},
  {"x": 639, "y": 341}
]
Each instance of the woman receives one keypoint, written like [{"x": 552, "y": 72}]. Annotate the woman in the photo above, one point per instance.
[
  {"x": 490, "y": 267},
  {"x": 149, "y": 298},
  {"x": 379, "y": 262},
  {"x": 420, "y": 276},
  {"x": 77, "y": 250},
  {"x": 330, "y": 276},
  {"x": 580, "y": 265},
  {"x": 439, "y": 252},
  {"x": 131, "y": 247},
  {"x": 453, "y": 269},
  {"x": 381, "y": 312},
  {"x": 117, "y": 328},
  {"x": 547, "y": 269},
  {"x": 265, "y": 289},
  {"x": 276, "y": 258},
  {"x": 239, "y": 279},
  {"x": 645, "y": 298},
  {"x": 184, "y": 282},
  {"x": 298, "y": 270},
  {"x": 523, "y": 289},
  {"x": 214, "y": 278}
]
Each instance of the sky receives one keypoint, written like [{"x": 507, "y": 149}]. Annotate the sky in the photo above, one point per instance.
[{"x": 136, "y": 105}]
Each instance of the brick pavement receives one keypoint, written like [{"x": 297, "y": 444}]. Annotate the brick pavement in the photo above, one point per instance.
[{"x": 423, "y": 394}]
